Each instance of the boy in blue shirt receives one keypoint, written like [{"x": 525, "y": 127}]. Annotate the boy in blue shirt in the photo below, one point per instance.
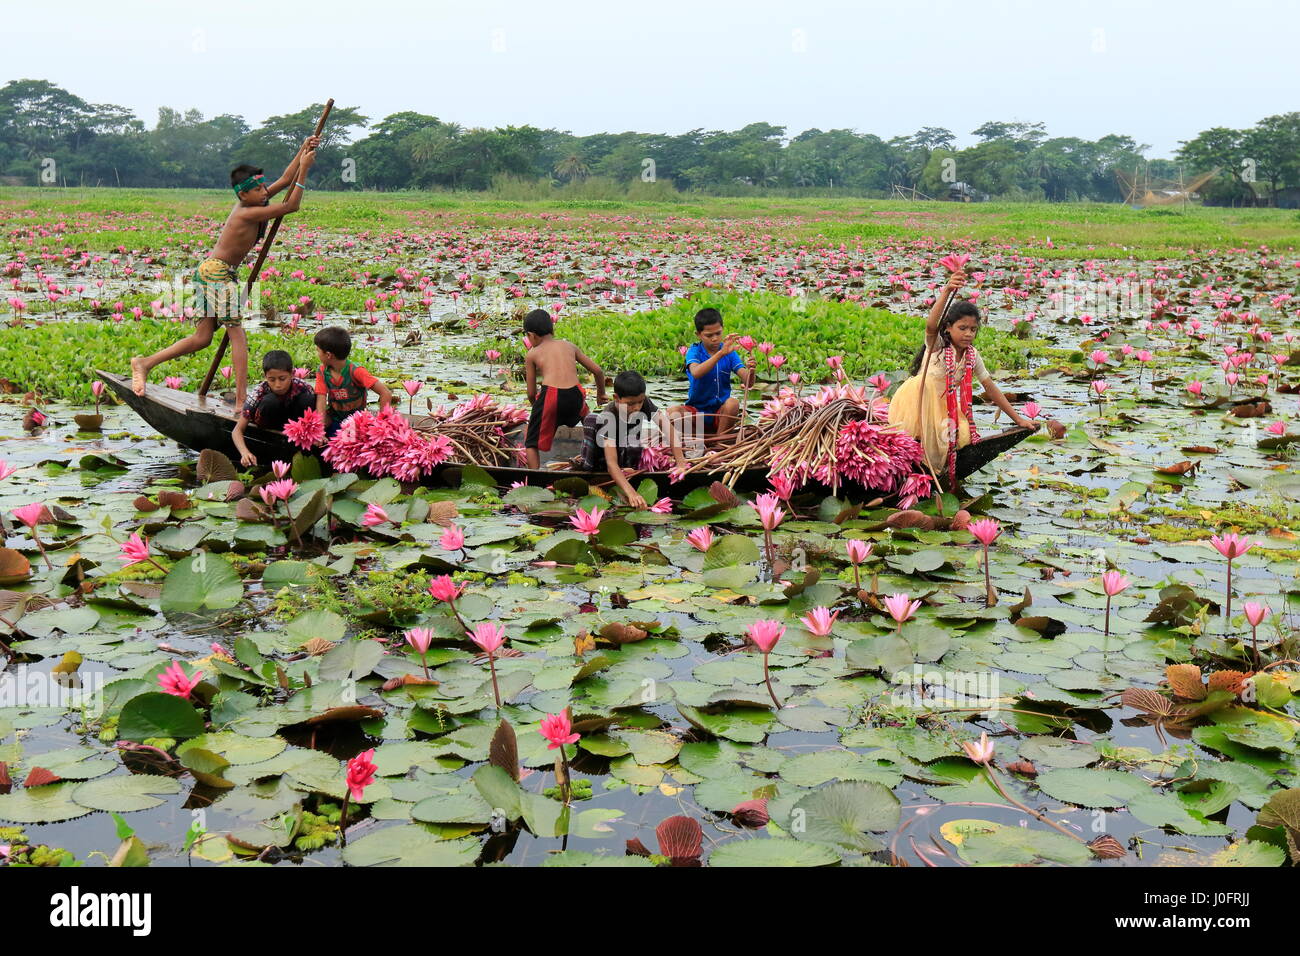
[{"x": 710, "y": 363}]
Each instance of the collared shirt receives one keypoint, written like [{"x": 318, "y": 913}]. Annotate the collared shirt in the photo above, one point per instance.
[{"x": 712, "y": 388}]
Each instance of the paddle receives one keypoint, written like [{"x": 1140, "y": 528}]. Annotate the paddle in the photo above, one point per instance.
[{"x": 257, "y": 265}]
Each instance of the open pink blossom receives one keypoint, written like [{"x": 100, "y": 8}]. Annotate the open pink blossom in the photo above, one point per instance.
[
  {"x": 819, "y": 621},
  {"x": 587, "y": 522},
  {"x": 419, "y": 638},
  {"x": 558, "y": 729},
  {"x": 361, "y": 773},
  {"x": 489, "y": 636},
  {"x": 279, "y": 468},
  {"x": 453, "y": 539},
  {"x": 1277, "y": 428},
  {"x": 385, "y": 443},
  {"x": 985, "y": 530},
  {"x": 901, "y": 608},
  {"x": 701, "y": 538},
  {"x": 445, "y": 589},
  {"x": 858, "y": 549},
  {"x": 1031, "y": 410},
  {"x": 283, "y": 489},
  {"x": 954, "y": 262},
  {"x": 135, "y": 549},
  {"x": 175, "y": 682},
  {"x": 308, "y": 431},
  {"x": 173, "y": 381},
  {"x": 29, "y": 515},
  {"x": 980, "y": 751},
  {"x": 1230, "y": 545}
]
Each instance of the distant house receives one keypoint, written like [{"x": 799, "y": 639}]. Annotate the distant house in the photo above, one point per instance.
[{"x": 965, "y": 192}]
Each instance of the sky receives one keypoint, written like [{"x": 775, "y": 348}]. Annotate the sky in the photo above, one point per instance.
[{"x": 1159, "y": 72}]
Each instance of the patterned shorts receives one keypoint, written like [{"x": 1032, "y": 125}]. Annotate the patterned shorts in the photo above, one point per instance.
[{"x": 216, "y": 292}]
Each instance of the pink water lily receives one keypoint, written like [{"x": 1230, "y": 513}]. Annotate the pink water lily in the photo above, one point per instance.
[
  {"x": 764, "y": 634},
  {"x": 135, "y": 549},
  {"x": 901, "y": 608},
  {"x": 770, "y": 512},
  {"x": 587, "y": 522},
  {"x": 374, "y": 516},
  {"x": 412, "y": 386},
  {"x": 420, "y": 638},
  {"x": 664, "y": 506},
  {"x": 361, "y": 773},
  {"x": 986, "y": 531},
  {"x": 1277, "y": 428},
  {"x": 954, "y": 262},
  {"x": 1231, "y": 546},
  {"x": 1195, "y": 387},
  {"x": 445, "y": 589},
  {"x": 308, "y": 431},
  {"x": 701, "y": 538},
  {"x": 1255, "y": 613},
  {"x": 173, "y": 381},
  {"x": 279, "y": 468},
  {"x": 1031, "y": 410},
  {"x": 558, "y": 730},
  {"x": 1112, "y": 582},
  {"x": 174, "y": 681},
  {"x": 31, "y": 516},
  {"x": 819, "y": 621},
  {"x": 283, "y": 489},
  {"x": 452, "y": 539},
  {"x": 783, "y": 485},
  {"x": 980, "y": 751}
]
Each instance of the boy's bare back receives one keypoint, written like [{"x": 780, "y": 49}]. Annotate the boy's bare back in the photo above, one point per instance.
[{"x": 556, "y": 362}]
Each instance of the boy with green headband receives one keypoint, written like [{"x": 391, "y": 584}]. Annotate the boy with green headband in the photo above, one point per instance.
[{"x": 217, "y": 293}]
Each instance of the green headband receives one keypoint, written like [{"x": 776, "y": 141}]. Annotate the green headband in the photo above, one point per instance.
[{"x": 249, "y": 183}]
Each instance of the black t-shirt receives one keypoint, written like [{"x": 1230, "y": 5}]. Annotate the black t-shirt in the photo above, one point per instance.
[{"x": 265, "y": 409}]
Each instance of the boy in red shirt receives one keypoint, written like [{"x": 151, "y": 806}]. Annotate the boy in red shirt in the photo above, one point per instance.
[{"x": 341, "y": 386}]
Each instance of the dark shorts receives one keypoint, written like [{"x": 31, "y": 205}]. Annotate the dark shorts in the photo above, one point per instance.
[{"x": 555, "y": 407}]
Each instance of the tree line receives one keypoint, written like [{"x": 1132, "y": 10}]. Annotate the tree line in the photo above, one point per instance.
[{"x": 50, "y": 136}]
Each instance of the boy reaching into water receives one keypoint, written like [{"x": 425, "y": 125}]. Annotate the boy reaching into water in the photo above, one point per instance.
[
  {"x": 560, "y": 400},
  {"x": 342, "y": 386},
  {"x": 216, "y": 288},
  {"x": 949, "y": 423},
  {"x": 279, "y": 399},
  {"x": 710, "y": 363},
  {"x": 615, "y": 439}
]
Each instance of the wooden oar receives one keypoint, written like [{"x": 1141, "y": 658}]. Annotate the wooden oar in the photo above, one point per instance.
[{"x": 257, "y": 265}]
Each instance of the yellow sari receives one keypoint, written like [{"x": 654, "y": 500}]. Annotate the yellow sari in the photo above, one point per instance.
[{"x": 906, "y": 403}]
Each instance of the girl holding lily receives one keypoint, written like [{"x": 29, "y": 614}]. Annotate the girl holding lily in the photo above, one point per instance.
[{"x": 937, "y": 411}]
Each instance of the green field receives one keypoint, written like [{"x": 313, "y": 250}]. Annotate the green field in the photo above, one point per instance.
[{"x": 1114, "y": 229}]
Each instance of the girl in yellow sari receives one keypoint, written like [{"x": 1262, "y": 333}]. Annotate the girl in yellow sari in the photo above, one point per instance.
[{"x": 937, "y": 413}]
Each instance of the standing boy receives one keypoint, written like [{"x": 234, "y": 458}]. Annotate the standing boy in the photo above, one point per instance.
[
  {"x": 561, "y": 400},
  {"x": 216, "y": 288}
]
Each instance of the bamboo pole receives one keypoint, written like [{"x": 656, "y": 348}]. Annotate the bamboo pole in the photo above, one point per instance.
[{"x": 257, "y": 265}]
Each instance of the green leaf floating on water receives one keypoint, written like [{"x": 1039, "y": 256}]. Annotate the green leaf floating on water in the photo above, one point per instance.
[
  {"x": 409, "y": 845},
  {"x": 1092, "y": 788},
  {"x": 158, "y": 715},
  {"x": 774, "y": 852},
  {"x": 51, "y": 803},
  {"x": 126, "y": 792},
  {"x": 201, "y": 581},
  {"x": 842, "y": 813},
  {"x": 985, "y": 843}
]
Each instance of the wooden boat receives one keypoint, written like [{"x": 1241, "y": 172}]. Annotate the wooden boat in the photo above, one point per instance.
[{"x": 201, "y": 423}]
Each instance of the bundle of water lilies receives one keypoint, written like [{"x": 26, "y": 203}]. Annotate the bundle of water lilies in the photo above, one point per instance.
[
  {"x": 388, "y": 443},
  {"x": 840, "y": 433}
]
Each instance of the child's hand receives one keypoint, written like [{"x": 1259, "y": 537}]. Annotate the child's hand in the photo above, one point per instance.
[
  {"x": 248, "y": 459},
  {"x": 956, "y": 281},
  {"x": 751, "y": 363},
  {"x": 636, "y": 501},
  {"x": 310, "y": 143},
  {"x": 730, "y": 343}
]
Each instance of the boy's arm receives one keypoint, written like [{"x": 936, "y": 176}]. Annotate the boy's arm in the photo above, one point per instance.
[
  {"x": 530, "y": 376},
  {"x": 728, "y": 346},
  {"x": 291, "y": 171},
  {"x": 384, "y": 392},
  {"x": 292, "y": 204},
  {"x": 595, "y": 370},
  {"x": 616, "y": 472},
  {"x": 246, "y": 457}
]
